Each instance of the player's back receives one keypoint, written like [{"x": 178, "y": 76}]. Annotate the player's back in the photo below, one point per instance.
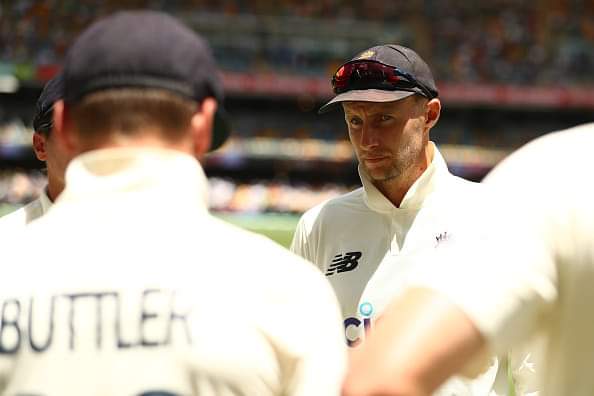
[
  {"x": 550, "y": 181},
  {"x": 141, "y": 290}
]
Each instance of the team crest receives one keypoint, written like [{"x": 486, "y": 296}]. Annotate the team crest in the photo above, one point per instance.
[{"x": 366, "y": 54}]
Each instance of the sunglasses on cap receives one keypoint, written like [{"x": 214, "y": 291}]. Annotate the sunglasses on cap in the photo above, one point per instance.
[{"x": 368, "y": 74}]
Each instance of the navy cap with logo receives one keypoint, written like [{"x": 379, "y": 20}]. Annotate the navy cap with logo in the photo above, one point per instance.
[
  {"x": 53, "y": 91},
  {"x": 384, "y": 73},
  {"x": 145, "y": 49}
]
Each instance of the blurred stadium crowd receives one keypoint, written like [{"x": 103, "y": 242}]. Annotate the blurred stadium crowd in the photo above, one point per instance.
[
  {"x": 544, "y": 43},
  {"x": 226, "y": 195},
  {"x": 501, "y": 41}
]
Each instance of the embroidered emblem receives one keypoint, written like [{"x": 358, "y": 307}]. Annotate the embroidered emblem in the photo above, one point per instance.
[{"x": 366, "y": 55}]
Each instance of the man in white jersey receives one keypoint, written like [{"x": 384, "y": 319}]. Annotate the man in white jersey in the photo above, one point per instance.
[
  {"x": 133, "y": 288},
  {"x": 368, "y": 241},
  {"x": 535, "y": 279},
  {"x": 46, "y": 150}
]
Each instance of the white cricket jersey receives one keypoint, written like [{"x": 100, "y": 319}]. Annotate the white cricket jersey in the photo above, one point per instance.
[
  {"x": 129, "y": 286},
  {"x": 367, "y": 247},
  {"x": 538, "y": 274},
  {"x": 21, "y": 217}
]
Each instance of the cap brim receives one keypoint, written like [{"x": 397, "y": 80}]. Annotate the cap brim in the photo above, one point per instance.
[
  {"x": 221, "y": 129},
  {"x": 365, "y": 95}
]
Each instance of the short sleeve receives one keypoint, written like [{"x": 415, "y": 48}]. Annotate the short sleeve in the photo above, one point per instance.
[{"x": 303, "y": 243}]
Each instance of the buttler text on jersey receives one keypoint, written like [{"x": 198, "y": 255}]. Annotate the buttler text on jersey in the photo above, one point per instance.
[{"x": 104, "y": 319}]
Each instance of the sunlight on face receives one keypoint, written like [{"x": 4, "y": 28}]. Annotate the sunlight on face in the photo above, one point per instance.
[{"x": 389, "y": 138}]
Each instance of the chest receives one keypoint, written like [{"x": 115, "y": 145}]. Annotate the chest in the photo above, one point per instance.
[
  {"x": 369, "y": 260},
  {"x": 354, "y": 250}
]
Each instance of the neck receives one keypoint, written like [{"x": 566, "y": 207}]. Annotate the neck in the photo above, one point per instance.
[
  {"x": 54, "y": 188},
  {"x": 148, "y": 140},
  {"x": 395, "y": 189}
]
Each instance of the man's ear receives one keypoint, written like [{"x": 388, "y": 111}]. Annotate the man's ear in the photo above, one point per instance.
[
  {"x": 62, "y": 128},
  {"x": 39, "y": 142},
  {"x": 433, "y": 110},
  {"x": 202, "y": 124}
]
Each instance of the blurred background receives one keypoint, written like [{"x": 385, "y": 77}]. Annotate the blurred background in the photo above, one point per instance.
[{"x": 507, "y": 70}]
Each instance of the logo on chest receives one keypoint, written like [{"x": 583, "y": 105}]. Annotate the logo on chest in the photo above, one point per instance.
[
  {"x": 343, "y": 263},
  {"x": 441, "y": 237}
]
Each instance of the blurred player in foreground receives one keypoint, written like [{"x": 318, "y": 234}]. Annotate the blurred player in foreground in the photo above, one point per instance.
[
  {"x": 368, "y": 242},
  {"x": 133, "y": 288},
  {"x": 46, "y": 149},
  {"x": 535, "y": 279}
]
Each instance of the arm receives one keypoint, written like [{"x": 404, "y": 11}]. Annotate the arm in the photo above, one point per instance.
[
  {"x": 406, "y": 354},
  {"x": 299, "y": 244}
]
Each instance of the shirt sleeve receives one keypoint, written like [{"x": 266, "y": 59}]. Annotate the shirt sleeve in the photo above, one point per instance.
[{"x": 302, "y": 244}]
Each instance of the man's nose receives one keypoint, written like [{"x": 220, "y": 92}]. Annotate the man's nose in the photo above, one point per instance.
[{"x": 369, "y": 136}]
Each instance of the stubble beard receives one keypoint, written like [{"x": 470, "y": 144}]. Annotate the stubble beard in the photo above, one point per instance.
[
  {"x": 398, "y": 167},
  {"x": 391, "y": 172}
]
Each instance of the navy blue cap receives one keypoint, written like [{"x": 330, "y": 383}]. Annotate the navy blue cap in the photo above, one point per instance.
[
  {"x": 397, "y": 56},
  {"x": 53, "y": 91},
  {"x": 145, "y": 49}
]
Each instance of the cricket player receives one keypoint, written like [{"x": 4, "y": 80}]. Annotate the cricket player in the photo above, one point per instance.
[
  {"x": 368, "y": 241},
  {"x": 46, "y": 150},
  {"x": 535, "y": 279},
  {"x": 132, "y": 287}
]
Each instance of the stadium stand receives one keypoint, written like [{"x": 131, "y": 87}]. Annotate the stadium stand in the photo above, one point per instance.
[
  {"x": 508, "y": 71},
  {"x": 503, "y": 41}
]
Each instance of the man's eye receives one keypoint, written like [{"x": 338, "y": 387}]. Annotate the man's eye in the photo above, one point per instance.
[
  {"x": 386, "y": 117},
  {"x": 355, "y": 121}
]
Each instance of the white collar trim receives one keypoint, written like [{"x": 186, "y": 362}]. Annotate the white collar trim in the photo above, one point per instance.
[{"x": 417, "y": 193}]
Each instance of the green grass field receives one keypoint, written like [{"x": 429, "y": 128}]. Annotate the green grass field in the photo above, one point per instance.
[
  {"x": 6, "y": 208},
  {"x": 278, "y": 227}
]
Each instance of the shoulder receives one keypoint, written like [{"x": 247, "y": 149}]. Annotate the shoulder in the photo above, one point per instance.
[
  {"x": 548, "y": 177},
  {"x": 457, "y": 192},
  {"x": 464, "y": 185},
  {"x": 21, "y": 217},
  {"x": 560, "y": 156},
  {"x": 14, "y": 219},
  {"x": 15, "y": 234},
  {"x": 338, "y": 206},
  {"x": 265, "y": 269},
  {"x": 255, "y": 253}
]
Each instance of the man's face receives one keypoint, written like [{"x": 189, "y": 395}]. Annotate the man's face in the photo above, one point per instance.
[{"x": 389, "y": 138}]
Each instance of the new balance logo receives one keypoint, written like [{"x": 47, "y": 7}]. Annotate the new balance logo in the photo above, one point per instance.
[{"x": 345, "y": 263}]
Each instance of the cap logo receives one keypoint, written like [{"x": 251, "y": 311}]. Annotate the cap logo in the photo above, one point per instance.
[{"x": 366, "y": 55}]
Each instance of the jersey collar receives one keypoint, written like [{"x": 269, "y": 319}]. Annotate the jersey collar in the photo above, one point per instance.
[
  {"x": 418, "y": 192},
  {"x": 161, "y": 174}
]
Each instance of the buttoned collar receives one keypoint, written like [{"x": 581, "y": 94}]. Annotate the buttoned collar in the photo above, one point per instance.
[
  {"x": 416, "y": 195},
  {"x": 162, "y": 173}
]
